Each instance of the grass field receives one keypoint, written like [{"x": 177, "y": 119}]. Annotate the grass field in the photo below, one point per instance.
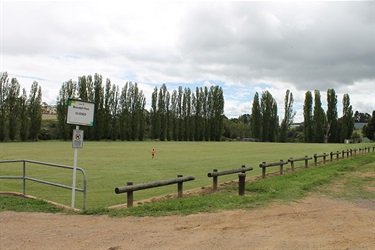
[{"x": 112, "y": 164}]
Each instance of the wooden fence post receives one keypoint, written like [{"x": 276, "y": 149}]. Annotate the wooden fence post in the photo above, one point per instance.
[
  {"x": 292, "y": 163},
  {"x": 179, "y": 187},
  {"x": 241, "y": 183},
  {"x": 129, "y": 195},
  {"x": 306, "y": 161},
  {"x": 263, "y": 171},
  {"x": 331, "y": 156},
  {"x": 281, "y": 166},
  {"x": 315, "y": 159},
  {"x": 214, "y": 179}
]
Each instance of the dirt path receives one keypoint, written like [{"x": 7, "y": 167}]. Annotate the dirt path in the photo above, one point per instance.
[{"x": 314, "y": 223}]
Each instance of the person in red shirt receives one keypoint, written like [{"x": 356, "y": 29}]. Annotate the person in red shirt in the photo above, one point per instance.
[{"x": 153, "y": 153}]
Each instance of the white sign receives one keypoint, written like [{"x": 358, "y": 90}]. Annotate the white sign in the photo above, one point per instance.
[
  {"x": 80, "y": 113},
  {"x": 77, "y": 141}
]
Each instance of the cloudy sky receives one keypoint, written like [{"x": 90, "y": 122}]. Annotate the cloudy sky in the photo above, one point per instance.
[{"x": 244, "y": 46}]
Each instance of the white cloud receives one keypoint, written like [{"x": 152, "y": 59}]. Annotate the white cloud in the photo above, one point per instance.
[{"x": 243, "y": 46}]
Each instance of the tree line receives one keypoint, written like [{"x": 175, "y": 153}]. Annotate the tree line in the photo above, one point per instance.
[
  {"x": 318, "y": 125},
  {"x": 179, "y": 115},
  {"x": 20, "y": 115},
  {"x": 121, "y": 115}
]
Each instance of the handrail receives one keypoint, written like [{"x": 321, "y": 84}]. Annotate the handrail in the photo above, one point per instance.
[{"x": 24, "y": 177}]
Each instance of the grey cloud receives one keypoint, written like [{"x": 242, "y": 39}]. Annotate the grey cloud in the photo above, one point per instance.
[{"x": 324, "y": 43}]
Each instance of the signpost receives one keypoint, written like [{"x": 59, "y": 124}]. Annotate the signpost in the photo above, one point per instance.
[{"x": 79, "y": 113}]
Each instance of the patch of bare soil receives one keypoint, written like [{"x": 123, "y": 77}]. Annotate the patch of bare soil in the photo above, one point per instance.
[{"x": 314, "y": 223}]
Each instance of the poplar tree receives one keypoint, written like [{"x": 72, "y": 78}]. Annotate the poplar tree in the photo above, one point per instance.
[
  {"x": 90, "y": 93},
  {"x": 99, "y": 118},
  {"x": 308, "y": 118},
  {"x": 256, "y": 118},
  {"x": 25, "y": 121},
  {"x": 207, "y": 113},
  {"x": 124, "y": 113},
  {"x": 319, "y": 119},
  {"x": 169, "y": 115},
  {"x": 217, "y": 112},
  {"x": 288, "y": 116},
  {"x": 107, "y": 116},
  {"x": 13, "y": 109},
  {"x": 4, "y": 90},
  {"x": 35, "y": 110},
  {"x": 332, "y": 128},
  {"x": 180, "y": 114},
  {"x": 67, "y": 90},
  {"x": 347, "y": 126},
  {"x": 369, "y": 129},
  {"x": 174, "y": 114},
  {"x": 141, "y": 116},
  {"x": 134, "y": 111},
  {"x": 198, "y": 116},
  {"x": 155, "y": 118},
  {"x": 268, "y": 109},
  {"x": 114, "y": 110},
  {"x": 184, "y": 116},
  {"x": 188, "y": 135},
  {"x": 82, "y": 89},
  {"x": 162, "y": 111}
]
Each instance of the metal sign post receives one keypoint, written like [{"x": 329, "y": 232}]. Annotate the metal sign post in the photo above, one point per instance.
[
  {"x": 79, "y": 113},
  {"x": 77, "y": 142}
]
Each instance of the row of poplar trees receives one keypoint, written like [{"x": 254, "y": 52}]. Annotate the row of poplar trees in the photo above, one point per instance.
[
  {"x": 121, "y": 114},
  {"x": 117, "y": 114},
  {"x": 20, "y": 115},
  {"x": 181, "y": 115},
  {"x": 318, "y": 126},
  {"x": 187, "y": 116},
  {"x": 264, "y": 121}
]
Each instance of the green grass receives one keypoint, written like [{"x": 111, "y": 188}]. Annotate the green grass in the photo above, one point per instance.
[
  {"x": 112, "y": 164},
  {"x": 360, "y": 185},
  {"x": 356, "y": 173},
  {"x": 20, "y": 204}
]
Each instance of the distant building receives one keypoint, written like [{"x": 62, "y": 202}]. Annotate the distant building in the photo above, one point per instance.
[
  {"x": 48, "y": 109},
  {"x": 359, "y": 125},
  {"x": 296, "y": 125}
]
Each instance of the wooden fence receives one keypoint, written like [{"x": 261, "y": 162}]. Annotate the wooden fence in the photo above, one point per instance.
[
  {"x": 241, "y": 177},
  {"x": 130, "y": 188},
  {"x": 306, "y": 159},
  {"x": 343, "y": 153}
]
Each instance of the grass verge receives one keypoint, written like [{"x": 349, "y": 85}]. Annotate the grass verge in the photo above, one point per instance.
[
  {"x": 112, "y": 164},
  {"x": 351, "y": 179}
]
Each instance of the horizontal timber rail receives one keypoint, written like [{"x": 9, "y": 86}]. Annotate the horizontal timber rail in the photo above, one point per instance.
[
  {"x": 345, "y": 152},
  {"x": 130, "y": 188},
  {"x": 335, "y": 153},
  {"x": 306, "y": 159},
  {"x": 316, "y": 156},
  {"x": 25, "y": 178},
  {"x": 214, "y": 174},
  {"x": 265, "y": 165}
]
